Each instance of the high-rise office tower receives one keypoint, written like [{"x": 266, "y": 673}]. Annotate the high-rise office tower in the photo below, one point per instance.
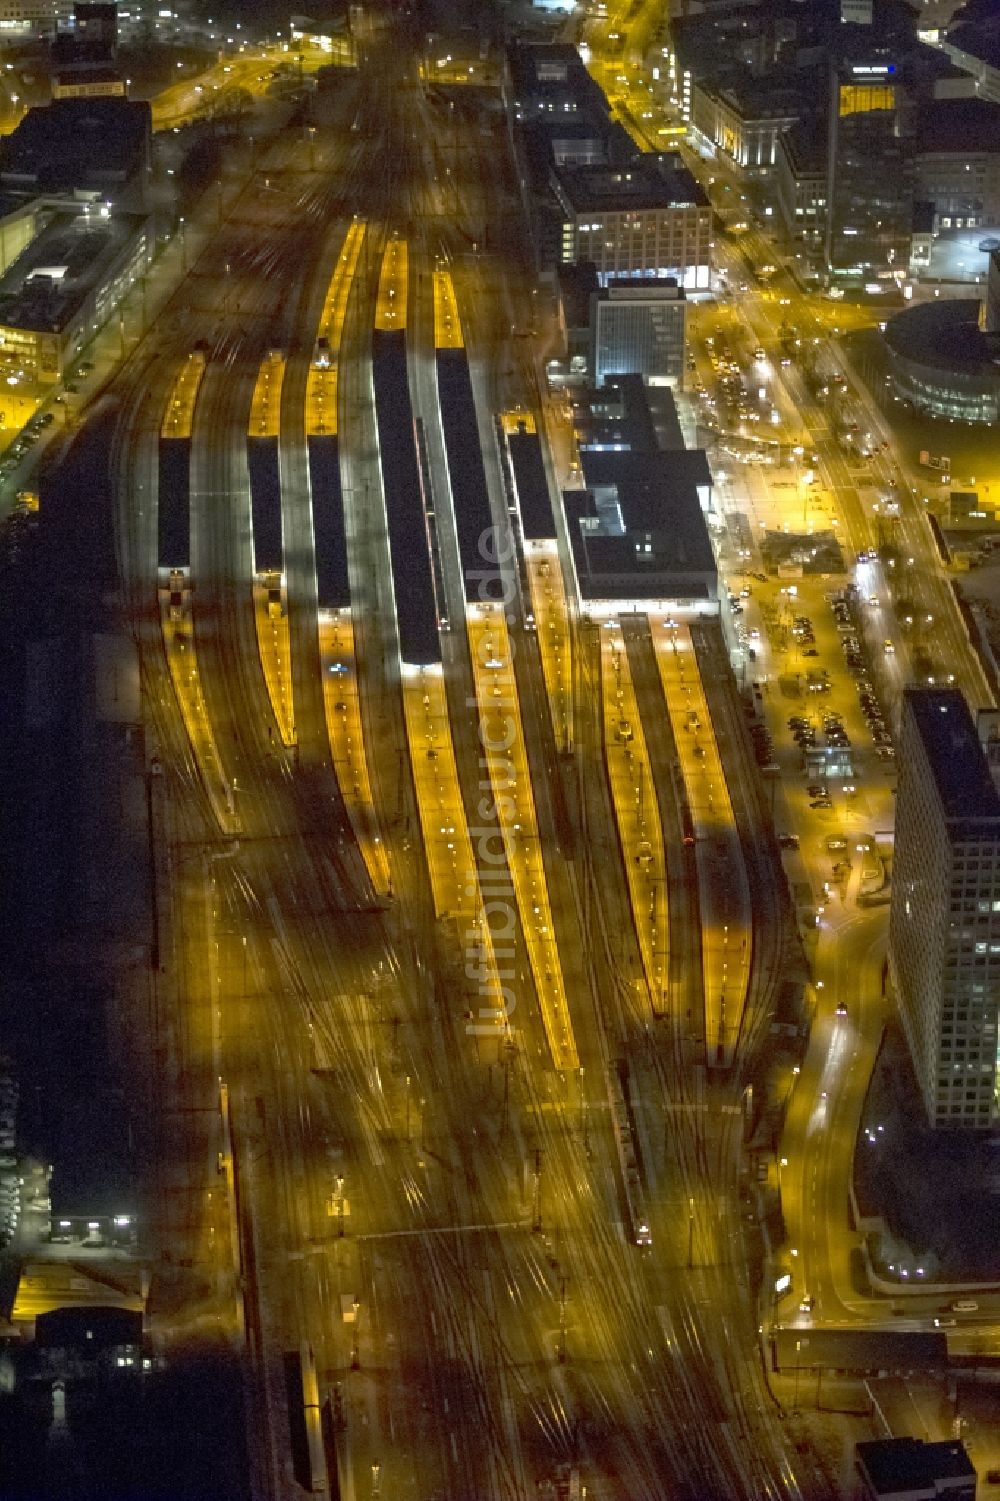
[
  {"x": 944, "y": 921},
  {"x": 869, "y": 211}
]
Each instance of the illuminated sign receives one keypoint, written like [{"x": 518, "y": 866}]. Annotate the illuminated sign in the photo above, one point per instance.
[
  {"x": 783, "y": 1283},
  {"x": 873, "y": 70}
]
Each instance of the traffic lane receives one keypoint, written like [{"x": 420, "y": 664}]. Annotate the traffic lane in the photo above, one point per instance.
[{"x": 824, "y": 1111}]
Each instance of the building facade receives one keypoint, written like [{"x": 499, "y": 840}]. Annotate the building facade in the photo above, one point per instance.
[
  {"x": 801, "y": 182},
  {"x": 944, "y": 359},
  {"x": 869, "y": 172},
  {"x": 944, "y": 921},
  {"x": 638, "y": 328},
  {"x": 22, "y": 17},
  {"x": 636, "y": 222},
  {"x": 743, "y": 125},
  {"x": 958, "y": 163}
]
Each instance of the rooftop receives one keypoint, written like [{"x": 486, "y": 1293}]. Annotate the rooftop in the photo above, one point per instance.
[
  {"x": 44, "y": 286},
  {"x": 981, "y": 41},
  {"x": 74, "y": 142},
  {"x": 897, "y": 1465},
  {"x": 627, "y": 415},
  {"x": 953, "y": 749},
  {"x": 958, "y": 125},
  {"x": 945, "y": 335},
  {"x": 577, "y": 284},
  {"x": 638, "y": 530},
  {"x": 777, "y": 96},
  {"x": 649, "y": 182}
]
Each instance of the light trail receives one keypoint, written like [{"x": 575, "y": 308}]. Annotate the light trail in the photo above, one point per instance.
[{"x": 179, "y": 645}]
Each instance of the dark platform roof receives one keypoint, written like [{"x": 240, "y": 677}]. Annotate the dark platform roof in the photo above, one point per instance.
[
  {"x": 473, "y": 516},
  {"x": 953, "y": 749},
  {"x": 534, "y": 503},
  {"x": 409, "y": 543},
  {"x": 896, "y": 1465},
  {"x": 965, "y": 126},
  {"x": 265, "y": 505},
  {"x": 333, "y": 589},
  {"x": 174, "y": 504}
]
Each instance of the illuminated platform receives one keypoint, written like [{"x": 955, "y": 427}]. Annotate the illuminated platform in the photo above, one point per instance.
[
  {"x": 723, "y": 889},
  {"x": 265, "y": 408},
  {"x": 451, "y": 859},
  {"x": 447, "y": 324},
  {"x": 502, "y": 739},
  {"x": 342, "y": 705},
  {"x": 322, "y": 380},
  {"x": 179, "y": 416},
  {"x": 274, "y": 644},
  {"x": 636, "y": 813},
  {"x": 549, "y": 607},
  {"x": 393, "y": 285}
]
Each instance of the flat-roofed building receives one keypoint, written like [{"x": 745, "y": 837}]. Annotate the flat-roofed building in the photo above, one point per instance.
[
  {"x": 869, "y": 160},
  {"x": 801, "y": 181},
  {"x": 944, "y": 919},
  {"x": 79, "y": 146},
  {"x": 56, "y": 295},
  {"x": 649, "y": 218},
  {"x": 958, "y": 162},
  {"x": 910, "y": 1469},
  {"x": 638, "y": 328},
  {"x": 743, "y": 121},
  {"x": 549, "y": 82},
  {"x": 637, "y": 527}
]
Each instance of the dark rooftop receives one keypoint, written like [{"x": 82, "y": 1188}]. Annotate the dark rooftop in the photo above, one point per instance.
[
  {"x": 953, "y": 749},
  {"x": 638, "y": 529},
  {"x": 776, "y": 96},
  {"x": 959, "y": 125},
  {"x": 898, "y": 1465},
  {"x": 628, "y": 414},
  {"x": 944, "y": 334},
  {"x": 88, "y": 1328},
  {"x": 982, "y": 41},
  {"x": 646, "y": 183},
  {"x": 74, "y": 142},
  {"x": 806, "y": 146},
  {"x": 577, "y": 284}
]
